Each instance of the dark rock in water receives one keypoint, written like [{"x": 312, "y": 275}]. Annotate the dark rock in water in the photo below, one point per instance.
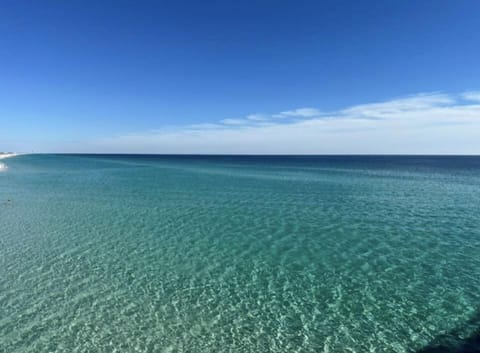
[{"x": 451, "y": 343}]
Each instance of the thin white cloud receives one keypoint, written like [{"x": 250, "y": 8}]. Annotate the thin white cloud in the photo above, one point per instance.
[
  {"x": 233, "y": 121},
  {"x": 424, "y": 123},
  {"x": 471, "y": 96},
  {"x": 298, "y": 113},
  {"x": 205, "y": 126},
  {"x": 257, "y": 117},
  {"x": 261, "y": 119},
  {"x": 396, "y": 107}
]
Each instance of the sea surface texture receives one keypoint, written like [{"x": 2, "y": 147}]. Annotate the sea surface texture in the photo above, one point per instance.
[{"x": 104, "y": 253}]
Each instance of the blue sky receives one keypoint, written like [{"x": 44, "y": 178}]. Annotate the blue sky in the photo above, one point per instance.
[{"x": 240, "y": 77}]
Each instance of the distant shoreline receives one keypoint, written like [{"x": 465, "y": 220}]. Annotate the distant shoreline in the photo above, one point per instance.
[
  {"x": 3, "y": 167},
  {"x": 7, "y": 155}
]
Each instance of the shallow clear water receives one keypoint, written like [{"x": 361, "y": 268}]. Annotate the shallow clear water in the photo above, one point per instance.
[{"x": 238, "y": 254}]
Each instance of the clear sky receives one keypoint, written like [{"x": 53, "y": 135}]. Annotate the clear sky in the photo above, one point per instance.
[{"x": 384, "y": 76}]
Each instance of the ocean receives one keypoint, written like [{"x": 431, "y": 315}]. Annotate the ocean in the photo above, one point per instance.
[{"x": 147, "y": 253}]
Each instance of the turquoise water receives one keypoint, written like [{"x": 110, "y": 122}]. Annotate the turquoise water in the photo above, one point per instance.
[{"x": 238, "y": 254}]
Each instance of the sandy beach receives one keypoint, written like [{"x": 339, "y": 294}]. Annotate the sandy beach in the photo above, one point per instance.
[
  {"x": 7, "y": 155},
  {"x": 3, "y": 167}
]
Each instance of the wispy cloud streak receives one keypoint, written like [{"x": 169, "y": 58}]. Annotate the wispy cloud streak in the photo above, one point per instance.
[
  {"x": 298, "y": 113},
  {"x": 472, "y": 96},
  {"x": 422, "y": 123}
]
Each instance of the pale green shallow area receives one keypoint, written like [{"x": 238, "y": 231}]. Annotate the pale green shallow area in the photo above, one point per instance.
[{"x": 237, "y": 254}]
